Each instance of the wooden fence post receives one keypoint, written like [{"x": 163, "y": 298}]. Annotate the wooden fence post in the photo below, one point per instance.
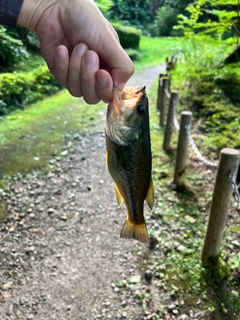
[
  {"x": 163, "y": 101},
  {"x": 159, "y": 97},
  {"x": 186, "y": 120},
  {"x": 229, "y": 162},
  {"x": 169, "y": 126}
]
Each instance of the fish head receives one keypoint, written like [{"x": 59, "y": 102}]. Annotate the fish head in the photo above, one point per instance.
[{"x": 126, "y": 114}]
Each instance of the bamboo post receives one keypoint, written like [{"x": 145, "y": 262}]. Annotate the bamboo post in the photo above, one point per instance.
[
  {"x": 169, "y": 126},
  {"x": 186, "y": 120},
  {"x": 229, "y": 162},
  {"x": 163, "y": 101}
]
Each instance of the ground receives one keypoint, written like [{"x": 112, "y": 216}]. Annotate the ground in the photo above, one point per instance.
[{"x": 61, "y": 256}]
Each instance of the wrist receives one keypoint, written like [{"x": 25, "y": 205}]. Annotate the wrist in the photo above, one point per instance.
[{"x": 31, "y": 12}]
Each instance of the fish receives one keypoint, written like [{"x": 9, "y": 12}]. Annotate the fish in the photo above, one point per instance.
[{"x": 129, "y": 157}]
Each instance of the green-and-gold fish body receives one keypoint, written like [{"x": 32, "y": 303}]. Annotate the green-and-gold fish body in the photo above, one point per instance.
[{"x": 129, "y": 156}]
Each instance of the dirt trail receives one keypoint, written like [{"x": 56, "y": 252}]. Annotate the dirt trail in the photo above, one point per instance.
[{"x": 60, "y": 254}]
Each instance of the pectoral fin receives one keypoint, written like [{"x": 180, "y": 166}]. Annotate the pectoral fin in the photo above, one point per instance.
[
  {"x": 150, "y": 195},
  {"x": 118, "y": 195},
  {"x": 107, "y": 158}
]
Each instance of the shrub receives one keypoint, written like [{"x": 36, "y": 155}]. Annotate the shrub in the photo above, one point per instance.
[
  {"x": 20, "y": 89},
  {"x": 133, "y": 54},
  {"x": 28, "y": 38},
  {"x": 11, "y": 50},
  {"x": 129, "y": 36},
  {"x": 166, "y": 18}
]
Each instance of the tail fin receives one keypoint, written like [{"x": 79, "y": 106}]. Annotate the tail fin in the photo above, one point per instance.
[{"x": 134, "y": 231}]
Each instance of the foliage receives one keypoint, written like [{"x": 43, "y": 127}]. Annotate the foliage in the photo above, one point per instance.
[
  {"x": 104, "y": 5},
  {"x": 28, "y": 38},
  {"x": 166, "y": 18},
  {"x": 129, "y": 36},
  {"x": 20, "y": 89},
  {"x": 11, "y": 50},
  {"x": 218, "y": 21},
  {"x": 132, "y": 12},
  {"x": 211, "y": 90},
  {"x": 133, "y": 54}
]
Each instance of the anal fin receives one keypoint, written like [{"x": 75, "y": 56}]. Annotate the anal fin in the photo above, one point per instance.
[
  {"x": 150, "y": 195},
  {"x": 118, "y": 196}
]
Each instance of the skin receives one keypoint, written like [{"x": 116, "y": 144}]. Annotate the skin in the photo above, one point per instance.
[{"x": 79, "y": 45}]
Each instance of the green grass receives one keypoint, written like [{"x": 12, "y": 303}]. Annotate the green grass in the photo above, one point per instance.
[
  {"x": 155, "y": 50},
  {"x": 29, "y": 137}
]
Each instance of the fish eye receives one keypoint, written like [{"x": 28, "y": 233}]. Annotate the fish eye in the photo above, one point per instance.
[{"x": 141, "y": 109}]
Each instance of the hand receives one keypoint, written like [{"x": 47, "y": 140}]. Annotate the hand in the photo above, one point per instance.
[{"x": 79, "y": 45}]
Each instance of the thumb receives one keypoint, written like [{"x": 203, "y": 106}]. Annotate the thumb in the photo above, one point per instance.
[{"x": 122, "y": 69}]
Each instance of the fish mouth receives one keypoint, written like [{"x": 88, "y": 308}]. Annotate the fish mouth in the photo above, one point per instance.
[{"x": 129, "y": 96}]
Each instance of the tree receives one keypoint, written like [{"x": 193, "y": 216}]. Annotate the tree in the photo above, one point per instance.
[
  {"x": 167, "y": 13},
  {"x": 132, "y": 12},
  {"x": 216, "y": 18}
]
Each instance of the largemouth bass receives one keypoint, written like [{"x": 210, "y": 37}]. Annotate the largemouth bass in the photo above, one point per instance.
[{"x": 129, "y": 157}]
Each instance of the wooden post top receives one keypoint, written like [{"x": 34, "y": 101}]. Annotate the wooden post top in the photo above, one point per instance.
[
  {"x": 186, "y": 113},
  {"x": 230, "y": 151}
]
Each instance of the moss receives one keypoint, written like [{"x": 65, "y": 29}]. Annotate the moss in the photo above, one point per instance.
[{"x": 28, "y": 138}]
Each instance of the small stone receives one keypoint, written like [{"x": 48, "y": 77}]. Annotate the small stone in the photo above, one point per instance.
[
  {"x": 148, "y": 275},
  {"x": 29, "y": 249},
  {"x": 10, "y": 310},
  {"x": 51, "y": 211},
  {"x": 134, "y": 279},
  {"x": 63, "y": 217},
  {"x": 64, "y": 153},
  {"x": 236, "y": 243},
  {"x": 183, "y": 317},
  {"x": 190, "y": 219},
  {"x": 6, "y": 286},
  {"x": 171, "y": 307}
]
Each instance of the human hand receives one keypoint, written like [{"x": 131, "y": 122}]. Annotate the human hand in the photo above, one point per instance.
[{"x": 79, "y": 45}]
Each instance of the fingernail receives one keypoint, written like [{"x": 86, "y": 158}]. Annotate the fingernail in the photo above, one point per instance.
[
  {"x": 61, "y": 54},
  {"x": 90, "y": 59},
  {"x": 80, "y": 49}
]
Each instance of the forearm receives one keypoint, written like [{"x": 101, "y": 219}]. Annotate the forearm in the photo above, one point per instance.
[{"x": 9, "y": 12}]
